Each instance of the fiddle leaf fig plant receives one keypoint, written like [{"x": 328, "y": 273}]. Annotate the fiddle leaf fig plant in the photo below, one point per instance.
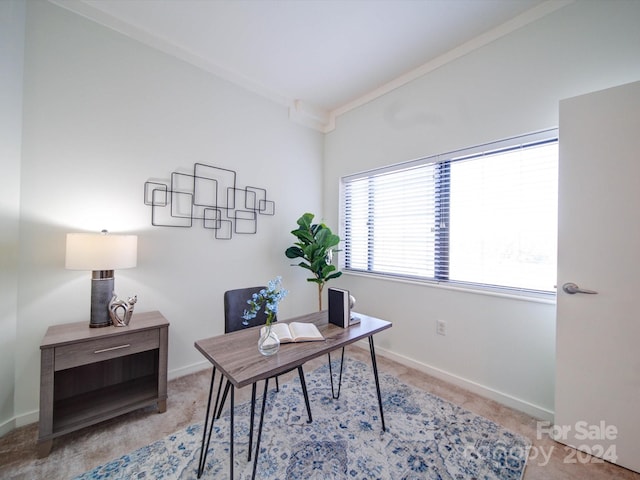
[{"x": 315, "y": 246}]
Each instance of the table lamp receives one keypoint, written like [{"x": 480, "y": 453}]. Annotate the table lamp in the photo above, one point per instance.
[{"x": 102, "y": 253}]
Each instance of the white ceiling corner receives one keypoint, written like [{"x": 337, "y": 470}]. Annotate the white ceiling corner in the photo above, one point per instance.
[{"x": 319, "y": 58}]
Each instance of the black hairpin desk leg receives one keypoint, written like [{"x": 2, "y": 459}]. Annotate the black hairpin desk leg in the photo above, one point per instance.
[
  {"x": 253, "y": 412},
  {"x": 204, "y": 448},
  {"x": 206, "y": 438},
  {"x": 334, "y": 395},
  {"x": 233, "y": 389},
  {"x": 264, "y": 403},
  {"x": 203, "y": 456},
  {"x": 304, "y": 392},
  {"x": 375, "y": 374},
  {"x": 224, "y": 399}
]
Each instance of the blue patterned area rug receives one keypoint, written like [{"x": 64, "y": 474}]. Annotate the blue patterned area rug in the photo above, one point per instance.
[{"x": 426, "y": 438}]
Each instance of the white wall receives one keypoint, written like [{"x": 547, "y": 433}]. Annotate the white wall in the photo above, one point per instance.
[
  {"x": 102, "y": 115},
  {"x": 504, "y": 348},
  {"x": 12, "y": 22}
]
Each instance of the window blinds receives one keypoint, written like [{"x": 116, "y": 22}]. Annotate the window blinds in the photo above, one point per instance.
[{"x": 481, "y": 215}]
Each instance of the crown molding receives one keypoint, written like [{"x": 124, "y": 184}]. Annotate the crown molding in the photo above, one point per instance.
[
  {"x": 512, "y": 25},
  {"x": 299, "y": 111},
  {"x": 311, "y": 116}
]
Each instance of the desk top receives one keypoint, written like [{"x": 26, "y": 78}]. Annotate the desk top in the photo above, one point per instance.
[{"x": 236, "y": 354}]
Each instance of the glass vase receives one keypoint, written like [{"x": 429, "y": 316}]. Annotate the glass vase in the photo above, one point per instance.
[{"x": 268, "y": 343}]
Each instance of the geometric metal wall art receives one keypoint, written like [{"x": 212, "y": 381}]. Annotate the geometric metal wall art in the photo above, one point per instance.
[{"x": 208, "y": 194}]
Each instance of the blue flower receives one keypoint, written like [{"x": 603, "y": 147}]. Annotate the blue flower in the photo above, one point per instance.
[{"x": 270, "y": 297}]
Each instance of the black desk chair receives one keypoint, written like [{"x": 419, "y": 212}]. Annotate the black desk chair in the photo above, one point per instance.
[{"x": 235, "y": 303}]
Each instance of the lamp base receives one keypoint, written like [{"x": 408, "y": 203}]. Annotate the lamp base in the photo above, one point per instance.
[{"x": 102, "y": 282}]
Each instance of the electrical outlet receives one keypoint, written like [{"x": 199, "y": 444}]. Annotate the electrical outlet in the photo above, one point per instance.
[{"x": 441, "y": 327}]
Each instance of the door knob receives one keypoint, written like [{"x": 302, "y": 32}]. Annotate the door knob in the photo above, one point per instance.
[{"x": 571, "y": 288}]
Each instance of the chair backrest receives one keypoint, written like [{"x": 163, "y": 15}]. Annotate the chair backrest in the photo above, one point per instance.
[{"x": 235, "y": 303}]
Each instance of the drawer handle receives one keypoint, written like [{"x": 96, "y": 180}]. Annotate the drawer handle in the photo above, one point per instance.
[{"x": 113, "y": 348}]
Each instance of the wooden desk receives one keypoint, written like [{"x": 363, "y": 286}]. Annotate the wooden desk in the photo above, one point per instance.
[
  {"x": 237, "y": 357},
  {"x": 89, "y": 375}
]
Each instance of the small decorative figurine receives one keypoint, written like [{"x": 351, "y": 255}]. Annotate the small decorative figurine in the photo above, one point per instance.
[{"x": 120, "y": 311}]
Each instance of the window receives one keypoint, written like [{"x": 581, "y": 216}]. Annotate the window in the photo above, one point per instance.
[{"x": 485, "y": 216}]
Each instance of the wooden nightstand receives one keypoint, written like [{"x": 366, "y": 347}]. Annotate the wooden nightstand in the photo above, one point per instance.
[{"x": 89, "y": 375}]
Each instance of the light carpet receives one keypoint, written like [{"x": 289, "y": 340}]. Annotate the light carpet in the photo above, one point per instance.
[{"x": 426, "y": 438}]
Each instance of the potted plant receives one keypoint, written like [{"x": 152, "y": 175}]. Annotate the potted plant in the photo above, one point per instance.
[{"x": 315, "y": 246}]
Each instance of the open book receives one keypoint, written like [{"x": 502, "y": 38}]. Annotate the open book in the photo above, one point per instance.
[{"x": 295, "y": 332}]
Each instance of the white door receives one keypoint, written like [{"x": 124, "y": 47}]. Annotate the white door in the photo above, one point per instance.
[{"x": 597, "y": 399}]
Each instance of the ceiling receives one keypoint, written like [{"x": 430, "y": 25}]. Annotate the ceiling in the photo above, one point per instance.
[{"x": 318, "y": 57}]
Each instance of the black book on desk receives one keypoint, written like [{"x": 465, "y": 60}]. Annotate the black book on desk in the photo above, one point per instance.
[{"x": 340, "y": 308}]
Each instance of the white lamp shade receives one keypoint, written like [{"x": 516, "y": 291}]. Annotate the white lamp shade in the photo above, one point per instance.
[{"x": 100, "y": 251}]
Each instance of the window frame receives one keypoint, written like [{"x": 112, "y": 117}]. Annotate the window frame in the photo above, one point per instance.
[{"x": 441, "y": 162}]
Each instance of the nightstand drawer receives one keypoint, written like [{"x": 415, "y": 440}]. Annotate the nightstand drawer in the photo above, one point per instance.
[{"x": 99, "y": 349}]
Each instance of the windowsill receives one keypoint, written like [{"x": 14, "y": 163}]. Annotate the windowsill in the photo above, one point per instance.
[{"x": 548, "y": 299}]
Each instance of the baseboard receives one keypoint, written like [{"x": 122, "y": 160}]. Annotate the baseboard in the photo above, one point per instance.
[
  {"x": 19, "y": 421},
  {"x": 188, "y": 370},
  {"x": 7, "y": 426},
  {"x": 500, "y": 397},
  {"x": 32, "y": 417},
  {"x": 505, "y": 399}
]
